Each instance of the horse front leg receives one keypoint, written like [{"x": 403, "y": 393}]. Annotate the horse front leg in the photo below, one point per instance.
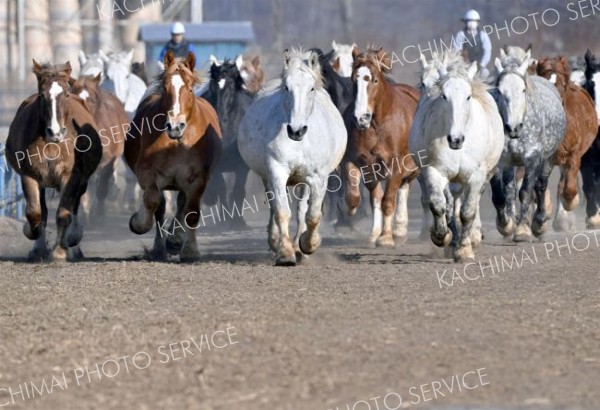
[
  {"x": 304, "y": 191},
  {"x": 436, "y": 185},
  {"x": 590, "y": 186},
  {"x": 37, "y": 216},
  {"x": 426, "y": 218},
  {"x": 285, "y": 254},
  {"x": 376, "y": 194},
  {"x": 102, "y": 187},
  {"x": 468, "y": 213},
  {"x": 401, "y": 217},
  {"x": 310, "y": 240},
  {"x": 67, "y": 235},
  {"x": 503, "y": 192},
  {"x": 191, "y": 211},
  {"x": 351, "y": 180},
  {"x": 542, "y": 212},
  {"x": 533, "y": 170},
  {"x": 141, "y": 221},
  {"x": 389, "y": 209}
]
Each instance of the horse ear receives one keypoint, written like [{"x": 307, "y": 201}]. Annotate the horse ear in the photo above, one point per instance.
[
  {"x": 336, "y": 64},
  {"x": 498, "y": 65},
  {"x": 524, "y": 65},
  {"x": 334, "y": 45},
  {"x": 190, "y": 61},
  {"x": 256, "y": 61},
  {"x": 313, "y": 61},
  {"x": 161, "y": 65},
  {"x": 588, "y": 57},
  {"x": 169, "y": 58},
  {"x": 103, "y": 56},
  {"x": 472, "y": 70},
  {"x": 286, "y": 58},
  {"x": 530, "y": 48},
  {"x": 214, "y": 60},
  {"x": 355, "y": 52},
  {"x": 503, "y": 53},
  {"x": 239, "y": 62},
  {"x": 130, "y": 56},
  {"x": 37, "y": 67},
  {"x": 423, "y": 60},
  {"x": 67, "y": 68},
  {"x": 82, "y": 57},
  {"x": 98, "y": 78}
]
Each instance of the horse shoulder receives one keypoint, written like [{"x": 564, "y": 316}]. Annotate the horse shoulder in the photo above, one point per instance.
[{"x": 209, "y": 114}]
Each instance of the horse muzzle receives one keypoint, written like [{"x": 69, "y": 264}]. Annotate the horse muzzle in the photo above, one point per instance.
[
  {"x": 513, "y": 132},
  {"x": 175, "y": 131},
  {"x": 54, "y": 136},
  {"x": 364, "y": 121},
  {"x": 298, "y": 134},
  {"x": 456, "y": 142}
]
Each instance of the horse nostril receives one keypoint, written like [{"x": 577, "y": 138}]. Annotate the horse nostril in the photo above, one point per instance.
[
  {"x": 507, "y": 128},
  {"x": 63, "y": 130},
  {"x": 519, "y": 127},
  {"x": 49, "y": 131},
  {"x": 302, "y": 131},
  {"x": 168, "y": 125},
  {"x": 182, "y": 126},
  {"x": 367, "y": 117},
  {"x": 290, "y": 131}
]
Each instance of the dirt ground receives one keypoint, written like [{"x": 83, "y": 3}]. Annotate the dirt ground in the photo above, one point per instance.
[{"x": 346, "y": 329}]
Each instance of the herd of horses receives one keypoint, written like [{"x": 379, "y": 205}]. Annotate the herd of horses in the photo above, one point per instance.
[{"x": 333, "y": 113}]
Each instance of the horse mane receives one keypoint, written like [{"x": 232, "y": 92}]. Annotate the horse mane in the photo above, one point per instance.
[
  {"x": 456, "y": 68},
  {"x": 299, "y": 58},
  {"x": 374, "y": 56}
]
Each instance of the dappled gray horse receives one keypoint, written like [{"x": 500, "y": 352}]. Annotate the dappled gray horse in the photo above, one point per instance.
[{"x": 534, "y": 125}]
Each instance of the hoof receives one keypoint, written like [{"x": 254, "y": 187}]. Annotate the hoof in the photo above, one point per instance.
[
  {"x": 30, "y": 233},
  {"x": 593, "y": 222},
  {"x": 539, "y": 229},
  {"x": 39, "y": 255},
  {"x": 505, "y": 229},
  {"x": 300, "y": 257},
  {"x": 476, "y": 239},
  {"x": 522, "y": 234},
  {"x": 373, "y": 241},
  {"x": 173, "y": 245},
  {"x": 570, "y": 205},
  {"x": 60, "y": 254},
  {"x": 308, "y": 246},
  {"x": 134, "y": 229},
  {"x": 75, "y": 254},
  {"x": 464, "y": 253},
  {"x": 283, "y": 260},
  {"x": 441, "y": 241},
  {"x": 400, "y": 237},
  {"x": 385, "y": 241},
  {"x": 158, "y": 255}
]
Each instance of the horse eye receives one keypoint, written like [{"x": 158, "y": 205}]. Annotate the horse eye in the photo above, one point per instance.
[
  {"x": 375, "y": 80},
  {"x": 468, "y": 98},
  {"x": 312, "y": 89},
  {"x": 444, "y": 96},
  {"x": 524, "y": 90},
  {"x": 286, "y": 88}
]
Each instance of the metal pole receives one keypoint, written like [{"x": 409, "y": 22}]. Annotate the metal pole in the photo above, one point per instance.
[
  {"x": 197, "y": 11},
  {"x": 21, "y": 38}
]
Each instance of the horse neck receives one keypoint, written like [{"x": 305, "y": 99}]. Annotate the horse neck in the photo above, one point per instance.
[{"x": 384, "y": 104}]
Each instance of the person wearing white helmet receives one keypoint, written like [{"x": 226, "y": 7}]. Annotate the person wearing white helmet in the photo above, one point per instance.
[
  {"x": 178, "y": 44},
  {"x": 473, "y": 42}
]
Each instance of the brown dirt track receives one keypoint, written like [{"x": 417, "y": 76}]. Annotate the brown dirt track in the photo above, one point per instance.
[{"x": 350, "y": 324}]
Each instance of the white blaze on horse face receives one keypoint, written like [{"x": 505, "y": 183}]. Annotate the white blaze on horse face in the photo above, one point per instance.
[
  {"x": 596, "y": 81},
  {"x": 177, "y": 83},
  {"x": 458, "y": 96},
  {"x": 84, "y": 95},
  {"x": 55, "y": 91},
  {"x": 512, "y": 88},
  {"x": 302, "y": 92},
  {"x": 361, "y": 106},
  {"x": 221, "y": 83},
  {"x": 552, "y": 78}
]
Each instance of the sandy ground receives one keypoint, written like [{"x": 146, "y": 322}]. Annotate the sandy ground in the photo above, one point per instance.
[{"x": 346, "y": 329}]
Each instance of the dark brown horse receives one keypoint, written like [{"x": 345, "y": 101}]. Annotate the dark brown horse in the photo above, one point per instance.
[
  {"x": 582, "y": 127},
  {"x": 53, "y": 143},
  {"x": 174, "y": 144},
  {"x": 113, "y": 123},
  {"x": 378, "y": 124}
]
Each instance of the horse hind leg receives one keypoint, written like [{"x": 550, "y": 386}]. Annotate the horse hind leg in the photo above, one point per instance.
[
  {"x": 561, "y": 221},
  {"x": 542, "y": 212},
  {"x": 102, "y": 187},
  {"x": 376, "y": 201},
  {"x": 400, "y": 230},
  {"x": 310, "y": 240}
]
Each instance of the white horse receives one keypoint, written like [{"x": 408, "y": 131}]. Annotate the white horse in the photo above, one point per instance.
[
  {"x": 342, "y": 59},
  {"x": 294, "y": 134},
  {"x": 458, "y": 125},
  {"x": 128, "y": 87}
]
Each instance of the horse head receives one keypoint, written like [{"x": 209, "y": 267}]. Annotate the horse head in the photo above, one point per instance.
[
  {"x": 557, "y": 71},
  {"x": 87, "y": 87},
  {"x": 53, "y": 89},
  {"x": 118, "y": 69},
  {"x": 178, "y": 81},
  {"x": 513, "y": 86},
  {"x": 252, "y": 73},
  {"x": 301, "y": 80},
  {"x": 91, "y": 64},
  {"x": 342, "y": 58},
  {"x": 368, "y": 76}
]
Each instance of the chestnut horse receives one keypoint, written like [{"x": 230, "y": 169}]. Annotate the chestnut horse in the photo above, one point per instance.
[
  {"x": 378, "y": 124},
  {"x": 177, "y": 152},
  {"x": 582, "y": 127},
  {"x": 112, "y": 121},
  {"x": 53, "y": 143}
]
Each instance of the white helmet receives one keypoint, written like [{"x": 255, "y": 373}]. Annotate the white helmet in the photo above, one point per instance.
[
  {"x": 177, "y": 28},
  {"x": 471, "y": 15}
]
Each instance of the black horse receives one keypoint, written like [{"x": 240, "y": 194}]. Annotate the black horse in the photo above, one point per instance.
[
  {"x": 231, "y": 100},
  {"x": 590, "y": 162}
]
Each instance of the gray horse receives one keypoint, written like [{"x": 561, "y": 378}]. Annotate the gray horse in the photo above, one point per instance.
[{"x": 534, "y": 125}]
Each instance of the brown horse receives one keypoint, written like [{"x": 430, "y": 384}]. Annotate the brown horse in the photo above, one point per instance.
[
  {"x": 582, "y": 127},
  {"x": 174, "y": 144},
  {"x": 111, "y": 118},
  {"x": 252, "y": 74},
  {"x": 53, "y": 143},
  {"x": 378, "y": 124}
]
